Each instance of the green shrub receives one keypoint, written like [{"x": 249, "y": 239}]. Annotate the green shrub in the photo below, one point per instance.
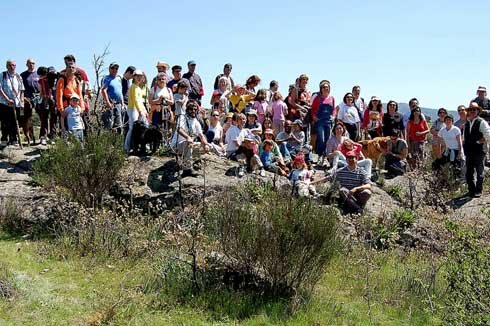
[
  {"x": 266, "y": 233},
  {"x": 7, "y": 287},
  {"x": 86, "y": 172},
  {"x": 468, "y": 277}
]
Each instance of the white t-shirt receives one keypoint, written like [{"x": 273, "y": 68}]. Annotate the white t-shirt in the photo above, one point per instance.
[
  {"x": 234, "y": 133},
  {"x": 218, "y": 131},
  {"x": 191, "y": 126},
  {"x": 449, "y": 136},
  {"x": 348, "y": 114}
]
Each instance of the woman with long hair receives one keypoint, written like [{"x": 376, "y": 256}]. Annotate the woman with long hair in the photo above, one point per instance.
[
  {"x": 417, "y": 131},
  {"x": 392, "y": 119},
  {"x": 373, "y": 118},
  {"x": 138, "y": 94}
]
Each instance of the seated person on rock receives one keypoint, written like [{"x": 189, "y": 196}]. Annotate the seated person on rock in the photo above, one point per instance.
[
  {"x": 452, "y": 140},
  {"x": 340, "y": 160},
  {"x": 302, "y": 179},
  {"x": 333, "y": 143},
  {"x": 188, "y": 130},
  {"x": 396, "y": 155},
  {"x": 270, "y": 161},
  {"x": 269, "y": 135},
  {"x": 247, "y": 155},
  {"x": 292, "y": 142},
  {"x": 355, "y": 186}
]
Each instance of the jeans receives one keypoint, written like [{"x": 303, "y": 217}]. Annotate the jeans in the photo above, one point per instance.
[
  {"x": 323, "y": 131},
  {"x": 113, "y": 120},
  {"x": 77, "y": 134}
]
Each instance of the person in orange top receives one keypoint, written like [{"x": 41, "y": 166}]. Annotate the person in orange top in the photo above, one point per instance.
[
  {"x": 417, "y": 130},
  {"x": 68, "y": 86}
]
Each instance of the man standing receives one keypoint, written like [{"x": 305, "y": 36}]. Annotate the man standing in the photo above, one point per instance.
[
  {"x": 71, "y": 61},
  {"x": 355, "y": 186},
  {"x": 183, "y": 140},
  {"x": 273, "y": 88},
  {"x": 476, "y": 135},
  {"x": 177, "y": 76},
  {"x": 11, "y": 94},
  {"x": 30, "y": 80},
  {"x": 126, "y": 82},
  {"x": 226, "y": 73},
  {"x": 358, "y": 101},
  {"x": 196, "y": 90},
  {"x": 113, "y": 98}
]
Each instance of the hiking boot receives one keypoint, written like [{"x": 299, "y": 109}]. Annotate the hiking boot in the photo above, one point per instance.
[
  {"x": 3, "y": 143},
  {"x": 43, "y": 141},
  {"x": 262, "y": 173},
  {"x": 189, "y": 173},
  {"x": 476, "y": 195}
]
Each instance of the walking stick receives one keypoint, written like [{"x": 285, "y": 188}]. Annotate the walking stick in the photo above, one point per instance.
[{"x": 17, "y": 126}]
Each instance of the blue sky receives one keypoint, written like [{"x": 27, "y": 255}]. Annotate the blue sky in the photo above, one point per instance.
[{"x": 437, "y": 51}]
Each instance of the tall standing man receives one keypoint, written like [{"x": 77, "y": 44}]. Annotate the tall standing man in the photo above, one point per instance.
[
  {"x": 113, "y": 98},
  {"x": 226, "y": 73},
  {"x": 476, "y": 136},
  {"x": 29, "y": 78}
]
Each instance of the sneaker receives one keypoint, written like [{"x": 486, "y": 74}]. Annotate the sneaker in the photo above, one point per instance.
[
  {"x": 3, "y": 143},
  {"x": 262, "y": 173},
  {"x": 241, "y": 171},
  {"x": 43, "y": 141}
]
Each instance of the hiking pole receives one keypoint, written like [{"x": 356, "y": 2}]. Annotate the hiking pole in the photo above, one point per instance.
[{"x": 17, "y": 125}]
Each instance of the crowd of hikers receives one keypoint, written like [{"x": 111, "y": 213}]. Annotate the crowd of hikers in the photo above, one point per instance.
[{"x": 263, "y": 128}]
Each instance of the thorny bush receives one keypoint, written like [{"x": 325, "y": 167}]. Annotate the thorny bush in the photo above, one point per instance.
[
  {"x": 264, "y": 232},
  {"x": 86, "y": 172}
]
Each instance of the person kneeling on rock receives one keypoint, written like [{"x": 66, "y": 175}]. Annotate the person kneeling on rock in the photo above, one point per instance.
[
  {"x": 355, "y": 186},
  {"x": 188, "y": 129}
]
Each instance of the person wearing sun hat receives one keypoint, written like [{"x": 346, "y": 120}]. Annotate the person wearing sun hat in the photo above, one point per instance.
[
  {"x": 481, "y": 99},
  {"x": 476, "y": 136}
]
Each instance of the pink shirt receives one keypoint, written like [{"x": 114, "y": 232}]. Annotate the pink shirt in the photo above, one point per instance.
[
  {"x": 279, "y": 110},
  {"x": 261, "y": 108}
]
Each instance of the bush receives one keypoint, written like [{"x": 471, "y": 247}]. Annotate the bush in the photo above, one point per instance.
[
  {"x": 468, "y": 277},
  {"x": 266, "y": 233},
  {"x": 11, "y": 218},
  {"x": 85, "y": 173},
  {"x": 7, "y": 287}
]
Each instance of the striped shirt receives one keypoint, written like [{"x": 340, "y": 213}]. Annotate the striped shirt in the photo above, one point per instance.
[{"x": 351, "y": 178}]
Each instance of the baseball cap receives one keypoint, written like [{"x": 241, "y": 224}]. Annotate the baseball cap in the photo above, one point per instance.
[
  {"x": 192, "y": 62},
  {"x": 138, "y": 72},
  {"x": 114, "y": 64},
  {"x": 74, "y": 95}
]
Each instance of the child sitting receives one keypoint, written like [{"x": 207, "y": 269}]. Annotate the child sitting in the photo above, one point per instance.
[
  {"x": 269, "y": 160},
  {"x": 302, "y": 178}
]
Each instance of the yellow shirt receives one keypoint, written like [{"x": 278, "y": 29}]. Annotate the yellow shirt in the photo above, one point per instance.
[
  {"x": 137, "y": 98},
  {"x": 239, "y": 102}
]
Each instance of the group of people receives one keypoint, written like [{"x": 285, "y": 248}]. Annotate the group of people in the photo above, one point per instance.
[{"x": 259, "y": 127}]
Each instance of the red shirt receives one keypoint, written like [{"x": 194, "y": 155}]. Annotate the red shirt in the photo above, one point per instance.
[
  {"x": 356, "y": 148},
  {"x": 416, "y": 127}
]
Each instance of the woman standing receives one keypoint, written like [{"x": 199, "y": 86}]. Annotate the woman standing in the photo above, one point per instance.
[
  {"x": 392, "y": 120},
  {"x": 417, "y": 131},
  {"x": 138, "y": 93},
  {"x": 437, "y": 145},
  {"x": 451, "y": 137},
  {"x": 373, "y": 118},
  {"x": 347, "y": 113},
  {"x": 161, "y": 98},
  {"x": 323, "y": 114}
]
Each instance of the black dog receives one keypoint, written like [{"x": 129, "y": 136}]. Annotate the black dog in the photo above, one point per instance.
[{"x": 143, "y": 135}]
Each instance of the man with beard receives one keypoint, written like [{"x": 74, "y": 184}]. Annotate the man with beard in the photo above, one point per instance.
[{"x": 188, "y": 130}]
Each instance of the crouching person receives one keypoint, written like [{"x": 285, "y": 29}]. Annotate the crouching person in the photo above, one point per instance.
[
  {"x": 355, "y": 186},
  {"x": 188, "y": 130},
  {"x": 396, "y": 155}
]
